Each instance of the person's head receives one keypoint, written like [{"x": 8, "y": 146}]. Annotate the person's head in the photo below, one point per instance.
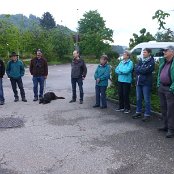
[
  {"x": 14, "y": 56},
  {"x": 169, "y": 52},
  {"x": 75, "y": 54},
  {"x": 147, "y": 52},
  {"x": 39, "y": 53},
  {"x": 126, "y": 55},
  {"x": 103, "y": 59}
]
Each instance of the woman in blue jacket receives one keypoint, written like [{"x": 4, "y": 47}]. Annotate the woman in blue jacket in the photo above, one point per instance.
[
  {"x": 124, "y": 72},
  {"x": 102, "y": 75}
]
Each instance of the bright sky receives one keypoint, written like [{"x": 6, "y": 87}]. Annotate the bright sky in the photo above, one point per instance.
[{"x": 125, "y": 17}]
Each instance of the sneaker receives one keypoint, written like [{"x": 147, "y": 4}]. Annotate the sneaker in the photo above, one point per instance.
[
  {"x": 170, "y": 134},
  {"x": 119, "y": 110},
  {"x": 40, "y": 97},
  {"x": 81, "y": 102},
  {"x": 71, "y": 101},
  {"x": 1, "y": 102},
  {"x": 146, "y": 118},
  {"x": 136, "y": 115},
  {"x": 24, "y": 99},
  {"x": 35, "y": 99},
  {"x": 126, "y": 111},
  {"x": 96, "y": 106},
  {"x": 16, "y": 99}
]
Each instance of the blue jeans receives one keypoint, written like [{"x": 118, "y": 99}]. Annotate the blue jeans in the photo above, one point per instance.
[
  {"x": 100, "y": 92},
  {"x": 143, "y": 91},
  {"x": 1, "y": 91},
  {"x": 38, "y": 81},
  {"x": 79, "y": 81}
]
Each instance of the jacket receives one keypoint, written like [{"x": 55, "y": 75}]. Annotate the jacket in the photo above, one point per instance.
[
  {"x": 103, "y": 73},
  {"x": 78, "y": 68},
  {"x": 144, "y": 71},
  {"x": 2, "y": 69},
  {"x": 124, "y": 71},
  {"x": 15, "y": 69},
  {"x": 38, "y": 67},
  {"x": 161, "y": 65}
]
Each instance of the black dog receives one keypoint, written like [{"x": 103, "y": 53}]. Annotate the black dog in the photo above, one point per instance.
[{"x": 48, "y": 96}]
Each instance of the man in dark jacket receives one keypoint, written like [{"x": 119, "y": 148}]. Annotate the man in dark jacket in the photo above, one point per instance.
[
  {"x": 78, "y": 74},
  {"x": 39, "y": 71},
  {"x": 2, "y": 72},
  {"x": 144, "y": 71},
  {"x": 166, "y": 90},
  {"x": 15, "y": 71}
]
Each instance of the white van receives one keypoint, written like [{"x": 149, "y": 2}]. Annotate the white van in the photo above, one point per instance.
[{"x": 156, "y": 47}]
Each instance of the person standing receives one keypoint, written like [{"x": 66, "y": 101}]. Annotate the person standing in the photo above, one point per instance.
[
  {"x": 78, "y": 74},
  {"x": 102, "y": 75},
  {"x": 15, "y": 71},
  {"x": 2, "y": 72},
  {"x": 165, "y": 83},
  {"x": 124, "y": 71},
  {"x": 39, "y": 71},
  {"x": 143, "y": 71}
]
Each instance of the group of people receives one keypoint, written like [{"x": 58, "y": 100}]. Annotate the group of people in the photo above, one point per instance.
[
  {"x": 125, "y": 70},
  {"x": 15, "y": 71}
]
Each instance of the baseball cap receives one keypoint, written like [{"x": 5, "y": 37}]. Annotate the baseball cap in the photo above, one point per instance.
[{"x": 170, "y": 47}]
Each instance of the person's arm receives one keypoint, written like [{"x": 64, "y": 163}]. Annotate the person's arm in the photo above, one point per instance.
[
  {"x": 147, "y": 69},
  {"x": 45, "y": 68},
  {"x": 22, "y": 69},
  {"x": 31, "y": 67},
  {"x": 128, "y": 69},
  {"x": 84, "y": 70},
  {"x": 8, "y": 69},
  {"x": 117, "y": 69},
  {"x": 3, "y": 68},
  {"x": 106, "y": 74},
  {"x": 96, "y": 74}
]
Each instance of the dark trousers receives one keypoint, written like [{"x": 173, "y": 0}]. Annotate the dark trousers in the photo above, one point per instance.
[
  {"x": 14, "y": 83},
  {"x": 167, "y": 106},
  {"x": 78, "y": 81},
  {"x": 38, "y": 81},
  {"x": 100, "y": 92},
  {"x": 1, "y": 91},
  {"x": 123, "y": 93}
]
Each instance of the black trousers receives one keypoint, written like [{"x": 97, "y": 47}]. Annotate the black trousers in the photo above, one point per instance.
[
  {"x": 14, "y": 83},
  {"x": 123, "y": 93},
  {"x": 78, "y": 81},
  {"x": 167, "y": 106}
]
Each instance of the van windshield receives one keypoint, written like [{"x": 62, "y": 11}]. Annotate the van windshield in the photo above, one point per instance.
[{"x": 136, "y": 52}]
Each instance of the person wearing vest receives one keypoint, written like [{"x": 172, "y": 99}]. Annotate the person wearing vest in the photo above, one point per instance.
[
  {"x": 39, "y": 71},
  {"x": 15, "y": 71},
  {"x": 165, "y": 82},
  {"x": 2, "y": 72}
]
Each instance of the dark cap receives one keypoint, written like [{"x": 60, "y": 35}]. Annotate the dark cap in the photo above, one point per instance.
[
  {"x": 39, "y": 50},
  {"x": 170, "y": 47},
  {"x": 13, "y": 54}
]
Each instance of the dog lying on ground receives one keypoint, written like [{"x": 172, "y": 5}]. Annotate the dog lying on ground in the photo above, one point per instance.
[{"x": 48, "y": 96}]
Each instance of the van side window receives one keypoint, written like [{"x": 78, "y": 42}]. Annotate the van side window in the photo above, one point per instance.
[
  {"x": 157, "y": 52},
  {"x": 136, "y": 52}
]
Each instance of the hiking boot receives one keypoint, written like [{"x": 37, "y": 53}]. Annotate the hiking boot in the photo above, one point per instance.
[
  {"x": 146, "y": 119},
  {"x": 81, "y": 102},
  {"x": 1, "y": 102},
  {"x": 136, "y": 115},
  {"x": 40, "y": 97},
  {"x": 35, "y": 99},
  {"x": 119, "y": 109},
  {"x": 170, "y": 134},
  {"x": 24, "y": 99},
  {"x": 71, "y": 101},
  {"x": 126, "y": 111},
  {"x": 16, "y": 99},
  {"x": 96, "y": 106}
]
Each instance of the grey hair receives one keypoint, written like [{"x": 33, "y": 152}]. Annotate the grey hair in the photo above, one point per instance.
[{"x": 127, "y": 52}]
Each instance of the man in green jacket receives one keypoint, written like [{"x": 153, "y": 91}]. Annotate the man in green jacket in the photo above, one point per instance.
[
  {"x": 166, "y": 90},
  {"x": 15, "y": 71}
]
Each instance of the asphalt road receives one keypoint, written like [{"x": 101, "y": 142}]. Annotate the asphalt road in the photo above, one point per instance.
[{"x": 64, "y": 138}]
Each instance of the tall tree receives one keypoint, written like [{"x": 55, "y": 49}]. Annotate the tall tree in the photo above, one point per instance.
[
  {"x": 94, "y": 35},
  {"x": 47, "y": 21},
  {"x": 144, "y": 37}
]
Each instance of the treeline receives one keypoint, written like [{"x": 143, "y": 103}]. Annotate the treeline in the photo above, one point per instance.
[{"x": 24, "y": 35}]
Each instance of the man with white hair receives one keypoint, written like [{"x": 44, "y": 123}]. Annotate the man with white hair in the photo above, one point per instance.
[{"x": 166, "y": 90}]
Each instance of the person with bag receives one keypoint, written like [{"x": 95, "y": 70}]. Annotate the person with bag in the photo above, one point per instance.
[
  {"x": 39, "y": 71},
  {"x": 15, "y": 71},
  {"x": 2, "y": 72},
  {"x": 101, "y": 76}
]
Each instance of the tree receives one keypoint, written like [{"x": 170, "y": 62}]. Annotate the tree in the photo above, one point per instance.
[
  {"x": 47, "y": 21},
  {"x": 167, "y": 34},
  {"x": 94, "y": 36},
  {"x": 144, "y": 37}
]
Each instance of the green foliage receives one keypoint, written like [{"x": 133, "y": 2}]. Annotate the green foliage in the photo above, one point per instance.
[
  {"x": 47, "y": 21},
  {"x": 94, "y": 36},
  {"x": 144, "y": 37}
]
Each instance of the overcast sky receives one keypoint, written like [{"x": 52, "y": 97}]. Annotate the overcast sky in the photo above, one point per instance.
[{"x": 125, "y": 17}]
